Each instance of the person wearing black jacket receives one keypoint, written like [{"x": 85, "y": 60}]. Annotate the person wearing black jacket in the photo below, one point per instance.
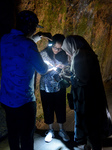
[{"x": 92, "y": 117}]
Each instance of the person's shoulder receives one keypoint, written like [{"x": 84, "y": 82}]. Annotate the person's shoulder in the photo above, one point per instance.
[
  {"x": 62, "y": 56},
  {"x": 27, "y": 42}
]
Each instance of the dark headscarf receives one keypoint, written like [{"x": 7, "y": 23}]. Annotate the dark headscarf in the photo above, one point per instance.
[
  {"x": 72, "y": 43},
  {"x": 82, "y": 56}
]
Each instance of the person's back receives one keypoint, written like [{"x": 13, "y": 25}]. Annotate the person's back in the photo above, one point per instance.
[
  {"x": 19, "y": 61},
  {"x": 90, "y": 103},
  {"x": 17, "y": 69}
]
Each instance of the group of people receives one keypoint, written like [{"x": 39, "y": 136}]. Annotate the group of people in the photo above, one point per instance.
[{"x": 20, "y": 59}]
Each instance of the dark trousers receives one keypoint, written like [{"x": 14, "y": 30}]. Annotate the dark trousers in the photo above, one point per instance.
[
  {"x": 54, "y": 102},
  {"x": 21, "y": 126}
]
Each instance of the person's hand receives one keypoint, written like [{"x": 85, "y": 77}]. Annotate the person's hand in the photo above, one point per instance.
[
  {"x": 48, "y": 63},
  {"x": 45, "y": 35},
  {"x": 52, "y": 69},
  {"x": 61, "y": 66}
]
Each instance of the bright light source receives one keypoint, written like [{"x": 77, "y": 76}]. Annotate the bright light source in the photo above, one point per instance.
[
  {"x": 48, "y": 138},
  {"x": 49, "y": 45},
  {"x": 47, "y": 62},
  {"x": 54, "y": 68}
]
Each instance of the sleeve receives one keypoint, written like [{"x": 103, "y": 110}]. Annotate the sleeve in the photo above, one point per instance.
[
  {"x": 82, "y": 67},
  {"x": 36, "y": 38},
  {"x": 36, "y": 60}
]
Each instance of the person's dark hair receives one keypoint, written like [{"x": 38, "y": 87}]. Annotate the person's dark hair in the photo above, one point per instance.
[
  {"x": 26, "y": 21},
  {"x": 57, "y": 38}
]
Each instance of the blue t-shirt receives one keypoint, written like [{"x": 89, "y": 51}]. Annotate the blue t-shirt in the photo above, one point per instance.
[{"x": 19, "y": 60}]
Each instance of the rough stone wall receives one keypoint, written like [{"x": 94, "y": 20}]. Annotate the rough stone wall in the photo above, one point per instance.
[{"x": 91, "y": 19}]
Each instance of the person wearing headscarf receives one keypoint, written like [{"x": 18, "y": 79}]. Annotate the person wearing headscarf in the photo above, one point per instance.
[
  {"x": 92, "y": 117},
  {"x": 52, "y": 95}
]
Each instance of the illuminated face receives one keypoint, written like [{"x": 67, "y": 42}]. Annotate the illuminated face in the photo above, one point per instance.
[{"x": 56, "y": 48}]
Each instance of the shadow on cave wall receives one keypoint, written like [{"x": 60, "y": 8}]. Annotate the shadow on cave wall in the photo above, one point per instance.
[{"x": 8, "y": 10}]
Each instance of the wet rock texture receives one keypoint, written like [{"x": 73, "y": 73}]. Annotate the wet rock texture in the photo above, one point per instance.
[{"x": 91, "y": 19}]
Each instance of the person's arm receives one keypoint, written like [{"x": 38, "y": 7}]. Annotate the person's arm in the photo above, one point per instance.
[
  {"x": 36, "y": 60},
  {"x": 39, "y": 64},
  {"x": 38, "y": 36},
  {"x": 82, "y": 67}
]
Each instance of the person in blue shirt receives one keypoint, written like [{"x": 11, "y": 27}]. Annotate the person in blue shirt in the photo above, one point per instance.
[{"x": 19, "y": 60}]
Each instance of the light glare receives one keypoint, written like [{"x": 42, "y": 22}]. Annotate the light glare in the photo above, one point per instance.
[{"x": 49, "y": 45}]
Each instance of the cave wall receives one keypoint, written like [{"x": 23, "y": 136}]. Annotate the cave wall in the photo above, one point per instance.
[{"x": 91, "y": 19}]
